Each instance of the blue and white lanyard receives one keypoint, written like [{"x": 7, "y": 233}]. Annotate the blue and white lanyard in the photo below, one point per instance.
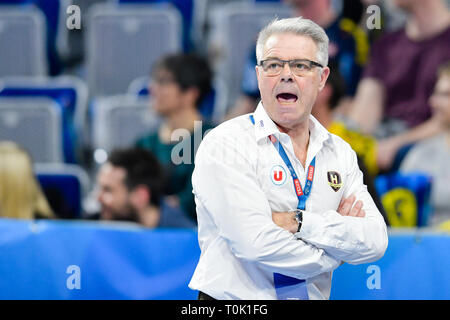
[
  {"x": 302, "y": 194},
  {"x": 288, "y": 287}
]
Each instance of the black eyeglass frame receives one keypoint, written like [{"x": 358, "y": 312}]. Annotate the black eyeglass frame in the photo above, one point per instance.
[{"x": 313, "y": 63}]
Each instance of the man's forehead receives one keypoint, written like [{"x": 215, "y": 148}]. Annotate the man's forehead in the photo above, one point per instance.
[{"x": 290, "y": 44}]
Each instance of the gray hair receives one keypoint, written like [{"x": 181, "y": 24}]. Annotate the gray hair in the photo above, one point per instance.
[{"x": 298, "y": 26}]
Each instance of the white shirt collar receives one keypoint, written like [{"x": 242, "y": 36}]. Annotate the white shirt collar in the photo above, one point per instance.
[{"x": 264, "y": 127}]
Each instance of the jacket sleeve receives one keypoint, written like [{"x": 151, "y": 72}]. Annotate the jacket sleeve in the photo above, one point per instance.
[{"x": 352, "y": 239}]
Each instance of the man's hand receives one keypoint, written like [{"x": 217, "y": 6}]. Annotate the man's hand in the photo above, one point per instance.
[
  {"x": 286, "y": 220},
  {"x": 346, "y": 207}
]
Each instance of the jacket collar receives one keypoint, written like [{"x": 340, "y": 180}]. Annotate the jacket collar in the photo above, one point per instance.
[{"x": 264, "y": 127}]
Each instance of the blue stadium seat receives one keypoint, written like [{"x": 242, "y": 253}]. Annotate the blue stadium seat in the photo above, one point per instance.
[
  {"x": 118, "y": 121},
  {"x": 53, "y": 11},
  {"x": 68, "y": 92},
  {"x": 65, "y": 186},
  {"x": 22, "y": 42},
  {"x": 35, "y": 124},
  {"x": 186, "y": 8},
  {"x": 405, "y": 198},
  {"x": 123, "y": 43}
]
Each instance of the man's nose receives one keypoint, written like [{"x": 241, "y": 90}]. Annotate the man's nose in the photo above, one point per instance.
[{"x": 286, "y": 73}]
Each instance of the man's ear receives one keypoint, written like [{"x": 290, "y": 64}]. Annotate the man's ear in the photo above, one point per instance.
[
  {"x": 326, "y": 92},
  {"x": 258, "y": 71},
  {"x": 192, "y": 94},
  {"x": 323, "y": 77},
  {"x": 140, "y": 196}
]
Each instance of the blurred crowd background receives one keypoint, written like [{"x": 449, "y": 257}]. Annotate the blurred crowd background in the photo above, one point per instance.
[{"x": 103, "y": 103}]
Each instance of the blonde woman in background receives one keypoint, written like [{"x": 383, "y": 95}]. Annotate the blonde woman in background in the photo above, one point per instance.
[{"x": 20, "y": 194}]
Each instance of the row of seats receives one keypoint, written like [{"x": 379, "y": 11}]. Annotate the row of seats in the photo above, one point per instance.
[
  {"x": 46, "y": 22},
  {"x": 49, "y": 116},
  {"x": 122, "y": 41}
]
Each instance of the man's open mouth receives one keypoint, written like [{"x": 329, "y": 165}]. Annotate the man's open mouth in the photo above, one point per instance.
[{"x": 286, "y": 98}]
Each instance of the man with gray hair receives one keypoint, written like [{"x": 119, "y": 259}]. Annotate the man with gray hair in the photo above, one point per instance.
[{"x": 280, "y": 201}]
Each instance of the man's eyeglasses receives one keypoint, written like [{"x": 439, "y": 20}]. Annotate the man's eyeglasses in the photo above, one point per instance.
[{"x": 299, "y": 67}]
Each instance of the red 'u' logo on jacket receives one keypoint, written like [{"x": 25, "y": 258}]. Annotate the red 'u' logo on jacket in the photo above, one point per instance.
[{"x": 278, "y": 175}]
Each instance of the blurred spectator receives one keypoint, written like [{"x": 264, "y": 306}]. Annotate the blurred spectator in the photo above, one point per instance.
[
  {"x": 327, "y": 102},
  {"x": 131, "y": 187},
  {"x": 391, "y": 99},
  {"x": 179, "y": 84},
  {"x": 432, "y": 155},
  {"x": 353, "y": 10},
  {"x": 348, "y": 48},
  {"x": 323, "y": 110},
  {"x": 20, "y": 194},
  {"x": 391, "y": 18}
]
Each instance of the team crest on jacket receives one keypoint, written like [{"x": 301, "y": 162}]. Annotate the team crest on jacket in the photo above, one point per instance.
[
  {"x": 278, "y": 175},
  {"x": 334, "y": 180}
]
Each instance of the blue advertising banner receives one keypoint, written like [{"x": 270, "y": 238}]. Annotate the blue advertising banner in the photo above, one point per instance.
[
  {"x": 416, "y": 265},
  {"x": 92, "y": 260}
]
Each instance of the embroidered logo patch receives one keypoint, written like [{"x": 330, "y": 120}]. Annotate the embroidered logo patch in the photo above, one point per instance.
[
  {"x": 334, "y": 180},
  {"x": 278, "y": 175}
]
